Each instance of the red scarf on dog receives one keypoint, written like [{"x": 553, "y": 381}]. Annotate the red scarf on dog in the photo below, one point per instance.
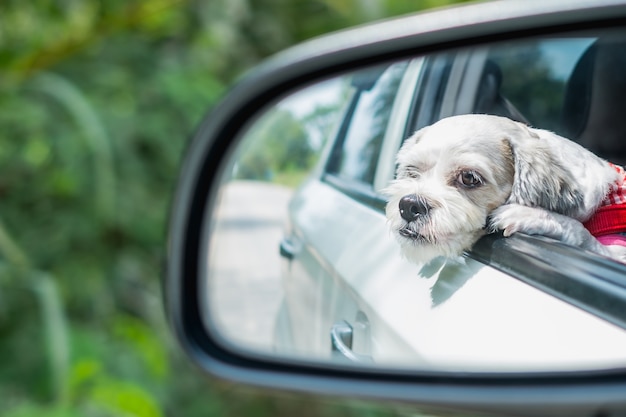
[{"x": 609, "y": 220}]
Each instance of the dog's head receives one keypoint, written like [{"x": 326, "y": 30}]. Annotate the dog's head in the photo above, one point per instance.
[{"x": 453, "y": 174}]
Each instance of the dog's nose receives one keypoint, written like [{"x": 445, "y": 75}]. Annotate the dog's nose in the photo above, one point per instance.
[{"x": 411, "y": 207}]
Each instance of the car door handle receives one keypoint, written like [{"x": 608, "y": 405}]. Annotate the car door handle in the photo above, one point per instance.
[
  {"x": 287, "y": 248},
  {"x": 341, "y": 343}
]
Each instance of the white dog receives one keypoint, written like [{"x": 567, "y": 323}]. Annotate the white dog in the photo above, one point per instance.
[{"x": 468, "y": 175}]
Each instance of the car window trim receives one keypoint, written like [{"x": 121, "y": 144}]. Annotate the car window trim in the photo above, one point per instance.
[
  {"x": 358, "y": 191},
  {"x": 332, "y": 162},
  {"x": 454, "y": 82},
  {"x": 436, "y": 76},
  {"x": 467, "y": 90}
]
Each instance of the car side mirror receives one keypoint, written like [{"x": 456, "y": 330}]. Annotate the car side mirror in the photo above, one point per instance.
[{"x": 411, "y": 71}]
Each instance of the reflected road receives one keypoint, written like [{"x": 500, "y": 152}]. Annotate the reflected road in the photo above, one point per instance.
[{"x": 244, "y": 287}]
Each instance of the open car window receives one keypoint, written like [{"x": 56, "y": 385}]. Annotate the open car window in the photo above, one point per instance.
[
  {"x": 355, "y": 153},
  {"x": 529, "y": 84},
  {"x": 572, "y": 86}
]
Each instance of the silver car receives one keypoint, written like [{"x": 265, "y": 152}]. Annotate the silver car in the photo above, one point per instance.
[{"x": 502, "y": 307}]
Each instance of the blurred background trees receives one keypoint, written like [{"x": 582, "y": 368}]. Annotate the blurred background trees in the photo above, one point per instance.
[{"x": 97, "y": 101}]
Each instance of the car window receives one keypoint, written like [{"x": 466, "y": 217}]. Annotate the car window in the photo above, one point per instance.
[
  {"x": 356, "y": 151},
  {"x": 572, "y": 86},
  {"x": 532, "y": 80},
  {"x": 429, "y": 96}
]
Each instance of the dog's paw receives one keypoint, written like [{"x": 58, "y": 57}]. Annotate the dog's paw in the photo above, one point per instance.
[{"x": 513, "y": 218}]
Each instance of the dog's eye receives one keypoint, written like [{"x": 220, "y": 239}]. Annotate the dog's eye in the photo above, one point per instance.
[
  {"x": 411, "y": 172},
  {"x": 469, "y": 179}
]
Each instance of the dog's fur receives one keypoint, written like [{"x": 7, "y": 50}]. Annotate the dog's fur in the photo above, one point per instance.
[{"x": 468, "y": 175}]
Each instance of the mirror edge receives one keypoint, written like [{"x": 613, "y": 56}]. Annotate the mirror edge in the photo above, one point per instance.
[{"x": 315, "y": 60}]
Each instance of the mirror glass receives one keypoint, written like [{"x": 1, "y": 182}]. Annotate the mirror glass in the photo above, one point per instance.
[{"x": 302, "y": 263}]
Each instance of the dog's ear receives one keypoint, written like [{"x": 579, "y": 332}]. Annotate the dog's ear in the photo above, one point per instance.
[{"x": 549, "y": 172}]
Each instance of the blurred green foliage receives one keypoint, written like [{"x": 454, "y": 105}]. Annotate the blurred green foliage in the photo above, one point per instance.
[
  {"x": 277, "y": 144},
  {"x": 98, "y": 99},
  {"x": 284, "y": 145}
]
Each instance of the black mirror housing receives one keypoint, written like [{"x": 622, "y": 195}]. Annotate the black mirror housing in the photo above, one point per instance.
[{"x": 575, "y": 394}]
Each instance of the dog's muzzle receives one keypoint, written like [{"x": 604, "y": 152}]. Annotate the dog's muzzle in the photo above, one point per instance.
[{"x": 412, "y": 207}]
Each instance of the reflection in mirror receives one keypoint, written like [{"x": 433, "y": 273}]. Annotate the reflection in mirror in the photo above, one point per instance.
[{"x": 302, "y": 262}]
